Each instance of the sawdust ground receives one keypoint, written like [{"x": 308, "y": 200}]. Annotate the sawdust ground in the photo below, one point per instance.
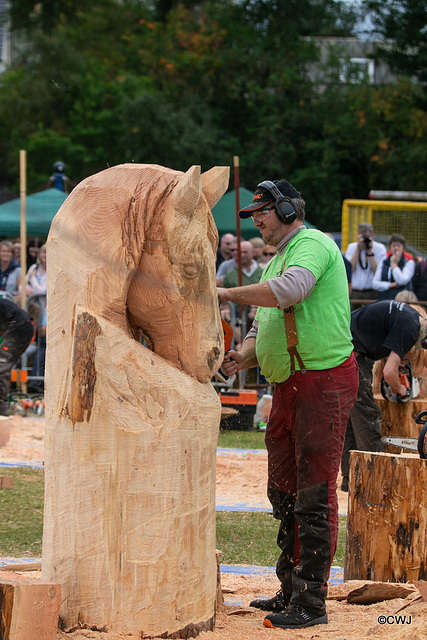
[{"x": 241, "y": 479}]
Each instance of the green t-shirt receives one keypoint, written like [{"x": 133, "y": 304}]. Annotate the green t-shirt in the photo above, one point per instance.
[{"x": 322, "y": 319}]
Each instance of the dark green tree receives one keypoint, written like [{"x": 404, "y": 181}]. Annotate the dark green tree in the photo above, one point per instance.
[{"x": 403, "y": 24}]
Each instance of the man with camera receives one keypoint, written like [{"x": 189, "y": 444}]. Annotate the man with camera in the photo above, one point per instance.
[{"x": 364, "y": 256}]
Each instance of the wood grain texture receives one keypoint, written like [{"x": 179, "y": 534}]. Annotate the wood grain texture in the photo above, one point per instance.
[
  {"x": 29, "y": 608},
  {"x": 131, "y": 433},
  {"x": 6, "y": 482},
  {"x": 387, "y": 518},
  {"x": 4, "y": 430}
]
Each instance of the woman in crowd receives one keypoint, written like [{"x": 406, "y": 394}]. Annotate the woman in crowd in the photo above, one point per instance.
[
  {"x": 268, "y": 252},
  {"x": 16, "y": 248},
  {"x": 394, "y": 273},
  {"x": 10, "y": 274},
  {"x": 36, "y": 279},
  {"x": 37, "y": 275}
]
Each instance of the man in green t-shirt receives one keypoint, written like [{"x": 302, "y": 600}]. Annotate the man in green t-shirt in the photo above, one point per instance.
[{"x": 301, "y": 339}]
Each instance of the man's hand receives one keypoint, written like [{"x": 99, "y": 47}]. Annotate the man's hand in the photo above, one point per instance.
[
  {"x": 235, "y": 361},
  {"x": 397, "y": 254},
  {"x": 366, "y": 246},
  {"x": 391, "y": 374},
  {"x": 232, "y": 363}
]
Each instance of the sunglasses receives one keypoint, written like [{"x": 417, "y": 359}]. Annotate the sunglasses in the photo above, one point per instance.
[{"x": 267, "y": 253}]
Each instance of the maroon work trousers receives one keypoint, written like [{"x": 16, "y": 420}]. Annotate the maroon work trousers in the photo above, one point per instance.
[{"x": 304, "y": 438}]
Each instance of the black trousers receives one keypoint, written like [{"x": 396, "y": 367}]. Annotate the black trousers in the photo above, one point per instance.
[
  {"x": 364, "y": 425},
  {"x": 16, "y": 338}
]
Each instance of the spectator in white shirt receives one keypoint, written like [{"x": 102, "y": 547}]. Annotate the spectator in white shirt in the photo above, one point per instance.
[
  {"x": 364, "y": 256},
  {"x": 394, "y": 273}
]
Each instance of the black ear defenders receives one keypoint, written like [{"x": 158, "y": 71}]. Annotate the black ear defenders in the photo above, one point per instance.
[{"x": 284, "y": 207}]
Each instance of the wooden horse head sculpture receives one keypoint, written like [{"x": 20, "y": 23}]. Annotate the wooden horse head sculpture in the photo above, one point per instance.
[
  {"x": 131, "y": 433},
  {"x": 144, "y": 245}
]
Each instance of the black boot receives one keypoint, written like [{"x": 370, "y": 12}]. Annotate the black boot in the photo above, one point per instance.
[
  {"x": 4, "y": 408},
  {"x": 277, "y": 603}
]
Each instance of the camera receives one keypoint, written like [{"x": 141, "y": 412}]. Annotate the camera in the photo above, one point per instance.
[{"x": 367, "y": 241}]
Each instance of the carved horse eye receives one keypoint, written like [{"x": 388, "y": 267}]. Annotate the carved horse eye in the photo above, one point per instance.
[{"x": 190, "y": 270}]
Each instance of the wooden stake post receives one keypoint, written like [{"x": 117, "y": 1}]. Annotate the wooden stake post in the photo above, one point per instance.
[
  {"x": 387, "y": 518},
  {"x": 131, "y": 433}
]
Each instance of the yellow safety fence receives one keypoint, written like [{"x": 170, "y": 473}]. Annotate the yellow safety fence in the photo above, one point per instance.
[{"x": 387, "y": 217}]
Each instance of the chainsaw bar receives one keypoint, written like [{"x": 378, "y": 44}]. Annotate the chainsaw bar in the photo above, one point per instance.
[{"x": 412, "y": 444}]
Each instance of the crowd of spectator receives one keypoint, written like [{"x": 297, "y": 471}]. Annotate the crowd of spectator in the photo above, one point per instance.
[
  {"x": 12, "y": 282},
  {"x": 382, "y": 273}
]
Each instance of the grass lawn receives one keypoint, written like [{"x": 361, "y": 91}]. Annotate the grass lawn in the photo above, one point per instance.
[
  {"x": 243, "y": 538},
  {"x": 250, "y": 538},
  {"x": 231, "y": 439},
  {"x": 21, "y": 513}
]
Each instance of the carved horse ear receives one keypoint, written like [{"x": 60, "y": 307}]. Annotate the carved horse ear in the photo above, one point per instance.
[
  {"x": 187, "y": 192},
  {"x": 215, "y": 183}
]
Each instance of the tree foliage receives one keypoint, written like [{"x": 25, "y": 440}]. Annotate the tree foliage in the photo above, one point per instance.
[
  {"x": 181, "y": 83},
  {"x": 404, "y": 24}
]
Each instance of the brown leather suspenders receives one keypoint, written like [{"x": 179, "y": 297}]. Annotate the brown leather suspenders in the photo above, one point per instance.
[{"x": 292, "y": 338}]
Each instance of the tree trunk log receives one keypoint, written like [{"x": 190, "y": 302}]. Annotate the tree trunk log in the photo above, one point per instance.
[
  {"x": 131, "y": 433},
  {"x": 387, "y": 518},
  {"x": 29, "y": 608},
  {"x": 4, "y": 430}
]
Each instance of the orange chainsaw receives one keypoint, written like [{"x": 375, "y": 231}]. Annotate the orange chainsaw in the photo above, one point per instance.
[
  {"x": 228, "y": 339},
  {"x": 407, "y": 379}
]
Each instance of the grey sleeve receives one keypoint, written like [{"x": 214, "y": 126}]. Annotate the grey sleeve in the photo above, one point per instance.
[
  {"x": 253, "y": 331},
  {"x": 293, "y": 286}
]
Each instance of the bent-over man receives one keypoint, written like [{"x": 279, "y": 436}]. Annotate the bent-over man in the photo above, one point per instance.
[
  {"x": 16, "y": 331},
  {"x": 389, "y": 331}
]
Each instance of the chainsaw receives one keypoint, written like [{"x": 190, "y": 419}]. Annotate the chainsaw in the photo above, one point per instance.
[
  {"x": 228, "y": 339},
  {"x": 412, "y": 444},
  {"x": 407, "y": 379}
]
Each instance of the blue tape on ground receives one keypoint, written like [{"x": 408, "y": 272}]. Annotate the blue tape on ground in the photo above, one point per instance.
[
  {"x": 5, "y": 561},
  {"x": 242, "y": 453},
  {"x": 32, "y": 465},
  {"x": 243, "y": 507},
  {"x": 336, "y": 574}
]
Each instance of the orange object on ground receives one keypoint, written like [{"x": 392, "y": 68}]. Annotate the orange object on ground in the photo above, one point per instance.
[
  {"x": 23, "y": 375},
  {"x": 238, "y": 396}
]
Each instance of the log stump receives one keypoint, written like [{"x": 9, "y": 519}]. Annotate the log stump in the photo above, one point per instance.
[
  {"x": 29, "y": 608},
  {"x": 4, "y": 430},
  {"x": 387, "y": 518},
  {"x": 132, "y": 419}
]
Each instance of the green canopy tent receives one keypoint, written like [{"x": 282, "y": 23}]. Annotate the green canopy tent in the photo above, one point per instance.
[
  {"x": 224, "y": 213},
  {"x": 40, "y": 209}
]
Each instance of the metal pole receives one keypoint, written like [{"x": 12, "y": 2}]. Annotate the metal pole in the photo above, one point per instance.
[
  {"x": 238, "y": 230},
  {"x": 23, "y": 195},
  {"x": 242, "y": 374}
]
